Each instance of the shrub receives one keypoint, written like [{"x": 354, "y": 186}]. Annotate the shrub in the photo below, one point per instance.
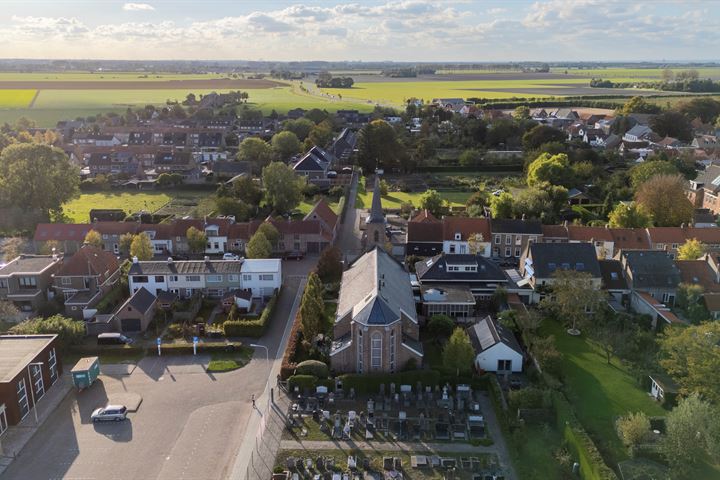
[
  {"x": 243, "y": 328},
  {"x": 288, "y": 365},
  {"x": 174, "y": 330},
  {"x": 302, "y": 382},
  {"x": 312, "y": 367},
  {"x": 528, "y": 397},
  {"x": 370, "y": 384},
  {"x": 633, "y": 428},
  {"x": 69, "y": 331}
]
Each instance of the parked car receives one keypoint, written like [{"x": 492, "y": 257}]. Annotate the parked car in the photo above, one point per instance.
[
  {"x": 294, "y": 255},
  {"x": 109, "y": 413},
  {"x": 230, "y": 256},
  {"x": 113, "y": 339}
]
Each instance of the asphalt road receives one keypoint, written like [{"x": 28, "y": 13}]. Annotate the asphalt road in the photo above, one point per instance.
[{"x": 189, "y": 426}]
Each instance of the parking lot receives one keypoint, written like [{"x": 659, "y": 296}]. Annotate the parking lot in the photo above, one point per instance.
[{"x": 188, "y": 425}]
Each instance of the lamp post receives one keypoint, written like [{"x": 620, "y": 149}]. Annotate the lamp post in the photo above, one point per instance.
[
  {"x": 267, "y": 357},
  {"x": 32, "y": 386}
]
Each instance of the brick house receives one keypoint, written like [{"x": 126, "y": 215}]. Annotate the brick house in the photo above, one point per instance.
[
  {"x": 510, "y": 238},
  {"x": 26, "y": 280},
  {"x": 376, "y": 328},
  {"x": 29, "y": 365},
  {"x": 136, "y": 313}
]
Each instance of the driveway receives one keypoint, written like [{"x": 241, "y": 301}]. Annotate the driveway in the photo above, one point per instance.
[
  {"x": 349, "y": 238},
  {"x": 189, "y": 425}
]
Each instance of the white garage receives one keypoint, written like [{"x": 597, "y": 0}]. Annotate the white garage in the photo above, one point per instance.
[{"x": 497, "y": 350}]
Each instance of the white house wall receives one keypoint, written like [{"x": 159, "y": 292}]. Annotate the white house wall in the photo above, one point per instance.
[{"x": 488, "y": 359}]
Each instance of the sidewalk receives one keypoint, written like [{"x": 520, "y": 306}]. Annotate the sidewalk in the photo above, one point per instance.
[{"x": 17, "y": 436}]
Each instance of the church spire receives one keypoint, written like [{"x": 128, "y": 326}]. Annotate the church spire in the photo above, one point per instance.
[{"x": 376, "y": 211}]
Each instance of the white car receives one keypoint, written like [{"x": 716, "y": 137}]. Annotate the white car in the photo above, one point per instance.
[
  {"x": 230, "y": 256},
  {"x": 110, "y": 413}
]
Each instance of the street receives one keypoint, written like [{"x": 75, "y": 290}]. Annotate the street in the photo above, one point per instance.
[{"x": 190, "y": 424}]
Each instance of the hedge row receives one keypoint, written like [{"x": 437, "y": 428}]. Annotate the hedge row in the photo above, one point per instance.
[
  {"x": 592, "y": 465},
  {"x": 370, "y": 384},
  {"x": 309, "y": 382},
  {"x": 288, "y": 365},
  {"x": 254, "y": 328}
]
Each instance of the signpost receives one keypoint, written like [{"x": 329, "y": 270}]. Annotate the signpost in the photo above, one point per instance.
[
  {"x": 195, "y": 342},
  {"x": 158, "y": 344}
]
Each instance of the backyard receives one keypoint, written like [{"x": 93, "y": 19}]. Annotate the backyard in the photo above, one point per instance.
[{"x": 394, "y": 200}]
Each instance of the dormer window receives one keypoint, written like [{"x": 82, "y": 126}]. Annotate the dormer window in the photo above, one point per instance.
[{"x": 458, "y": 236}]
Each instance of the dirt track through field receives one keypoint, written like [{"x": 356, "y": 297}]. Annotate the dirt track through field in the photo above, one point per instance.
[{"x": 196, "y": 84}]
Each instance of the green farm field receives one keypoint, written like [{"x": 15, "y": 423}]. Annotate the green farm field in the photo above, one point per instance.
[
  {"x": 16, "y": 98},
  {"x": 630, "y": 74}
]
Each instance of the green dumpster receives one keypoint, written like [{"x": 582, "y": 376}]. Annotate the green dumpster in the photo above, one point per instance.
[{"x": 85, "y": 372}]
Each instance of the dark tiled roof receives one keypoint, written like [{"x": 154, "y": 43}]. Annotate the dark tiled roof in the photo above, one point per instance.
[
  {"x": 547, "y": 258},
  {"x": 89, "y": 261},
  {"x": 487, "y": 333},
  {"x": 652, "y": 269},
  {"x": 186, "y": 267},
  {"x": 141, "y": 301},
  {"x": 424, "y": 232},
  {"x": 436, "y": 269},
  {"x": 612, "y": 275},
  {"x": 527, "y": 227}
]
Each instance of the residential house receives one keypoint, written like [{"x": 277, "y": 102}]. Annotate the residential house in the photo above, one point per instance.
[
  {"x": 26, "y": 281},
  {"x": 510, "y": 238},
  {"x": 29, "y": 366},
  {"x": 136, "y": 313},
  {"x": 85, "y": 278},
  {"x": 262, "y": 277},
  {"x": 474, "y": 273},
  {"x": 705, "y": 142},
  {"x": 640, "y": 133},
  {"x": 315, "y": 165},
  {"x": 241, "y": 298},
  {"x": 704, "y": 191},
  {"x": 376, "y": 328},
  {"x": 541, "y": 261},
  {"x": 343, "y": 145},
  {"x": 613, "y": 282},
  {"x": 496, "y": 348},
  {"x": 600, "y": 237},
  {"x": 653, "y": 278},
  {"x": 327, "y": 219},
  {"x": 66, "y": 237},
  {"x": 466, "y": 235},
  {"x": 554, "y": 233},
  {"x": 424, "y": 235}
]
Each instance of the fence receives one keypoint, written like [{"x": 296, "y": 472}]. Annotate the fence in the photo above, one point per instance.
[{"x": 269, "y": 435}]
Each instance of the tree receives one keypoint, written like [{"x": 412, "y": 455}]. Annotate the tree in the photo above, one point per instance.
[
  {"x": 230, "y": 206},
  {"x": 541, "y": 134},
  {"x": 12, "y": 248},
  {"x": 300, "y": 127},
  {"x": 245, "y": 189},
  {"x": 574, "y": 294},
  {"x": 663, "y": 197},
  {"x": 440, "y": 326},
  {"x": 256, "y": 151},
  {"x": 320, "y": 135},
  {"x": 458, "y": 353},
  {"x": 69, "y": 331},
  {"x": 94, "y": 238},
  {"x": 258, "y": 246},
  {"x": 643, "y": 172},
  {"x": 553, "y": 169},
  {"x": 470, "y": 158},
  {"x": 329, "y": 267},
  {"x": 634, "y": 428},
  {"x": 705, "y": 108},
  {"x": 638, "y": 105},
  {"x": 37, "y": 177},
  {"x": 672, "y": 123},
  {"x": 690, "y": 301},
  {"x": 141, "y": 247},
  {"x": 431, "y": 201},
  {"x": 196, "y": 239},
  {"x": 378, "y": 146},
  {"x": 282, "y": 188},
  {"x": 9, "y": 313},
  {"x": 690, "y": 356},
  {"x": 125, "y": 242},
  {"x": 630, "y": 215},
  {"x": 691, "y": 431},
  {"x": 270, "y": 232},
  {"x": 521, "y": 112},
  {"x": 285, "y": 145},
  {"x": 501, "y": 206},
  {"x": 384, "y": 188},
  {"x": 312, "y": 308},
  {"x": 692, "y": 249},
  {"x": 667, "y": 75}
]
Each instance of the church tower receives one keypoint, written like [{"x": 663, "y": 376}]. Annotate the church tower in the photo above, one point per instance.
[{"x": 375, "y": 224}]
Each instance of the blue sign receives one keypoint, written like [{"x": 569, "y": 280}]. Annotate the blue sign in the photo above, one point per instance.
[
  {"x": 195, "y": 339},
  {"x": 158, "y": 340}
]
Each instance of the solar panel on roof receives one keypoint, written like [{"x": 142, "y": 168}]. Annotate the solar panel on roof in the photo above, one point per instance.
[{"x": 716, "y": 181}]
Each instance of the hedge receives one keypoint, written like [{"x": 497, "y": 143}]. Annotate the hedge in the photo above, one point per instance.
[
  {"x": 185, "y": 349},
  {"x": 370, "y": 384},
  {"x": 303, "y": 382},
  {"x": 315, "y": 368},
  {"x": 592, "y": 465},
  {"x": 254, "y": 328},
  {"x": 288, "y": 365}
]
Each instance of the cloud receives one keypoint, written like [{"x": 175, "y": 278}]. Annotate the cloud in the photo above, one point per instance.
[{"x": 137, "y": 7}]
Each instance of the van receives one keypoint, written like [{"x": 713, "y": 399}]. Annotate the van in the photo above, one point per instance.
[{"x": 113, "y": 339}]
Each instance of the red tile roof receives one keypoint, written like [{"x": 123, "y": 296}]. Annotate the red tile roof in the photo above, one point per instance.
[
  {"x": 630, "y": 238},
  {"x": 589, "y": 234},
  {"x": 466, "y": 227},
  {"x": 666, "y": 235},
  {"x": 89, "y": 260},
  {"x": 425, "y": 217},
  {"x": 554, "y": 231},
  {"x": 698, "y": 272},
  {"x": 323, "y": 211},
  {"x": 709, "y": 235},
  {"x": 61, "y": 232}
]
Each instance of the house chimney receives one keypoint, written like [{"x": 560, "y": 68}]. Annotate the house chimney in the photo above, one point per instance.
[
  {"x": 170, "y": 260},
  {"x": 207, "y": 259},
  {"x": 135, "y": 260}
]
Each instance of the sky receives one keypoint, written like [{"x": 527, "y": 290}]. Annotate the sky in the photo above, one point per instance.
[{"x": 405, "y": 30}]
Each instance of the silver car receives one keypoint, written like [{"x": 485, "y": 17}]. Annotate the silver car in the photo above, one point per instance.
[{"x": 115, "y": 413}]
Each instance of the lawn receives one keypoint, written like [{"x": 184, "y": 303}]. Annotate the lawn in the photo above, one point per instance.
[
  {"x": 16, "y": 98},
  {"x": 394, "y": 200},
  {"x": 78, "y": 209},
  {"x": 598, "y": 391},
  {"x": 307, "y": 205},
  {"x": 226, "y": 362}
]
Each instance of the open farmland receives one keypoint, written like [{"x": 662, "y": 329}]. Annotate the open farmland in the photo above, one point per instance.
[
  {"x": 16, "y": 98},
  {"x": 644, "y": 74}
]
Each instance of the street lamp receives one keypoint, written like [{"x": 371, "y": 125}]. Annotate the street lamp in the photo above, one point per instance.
[
  {"x": 267, "y": 357},
  {"x": 32, "y": 386}
]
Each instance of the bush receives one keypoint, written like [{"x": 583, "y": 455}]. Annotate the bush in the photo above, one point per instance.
[
  {"x": 69, "y": 331},
  {"x": 237, "y": 326},
  {"x": 528, "y": 397},
  {"x": 175, "y": 330},
  {"x": 370, "y": 384},
  {"x": 302, "y": 382},
  {"x": 312, "y": 367},
  {"x": 633, "y": 428}
]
